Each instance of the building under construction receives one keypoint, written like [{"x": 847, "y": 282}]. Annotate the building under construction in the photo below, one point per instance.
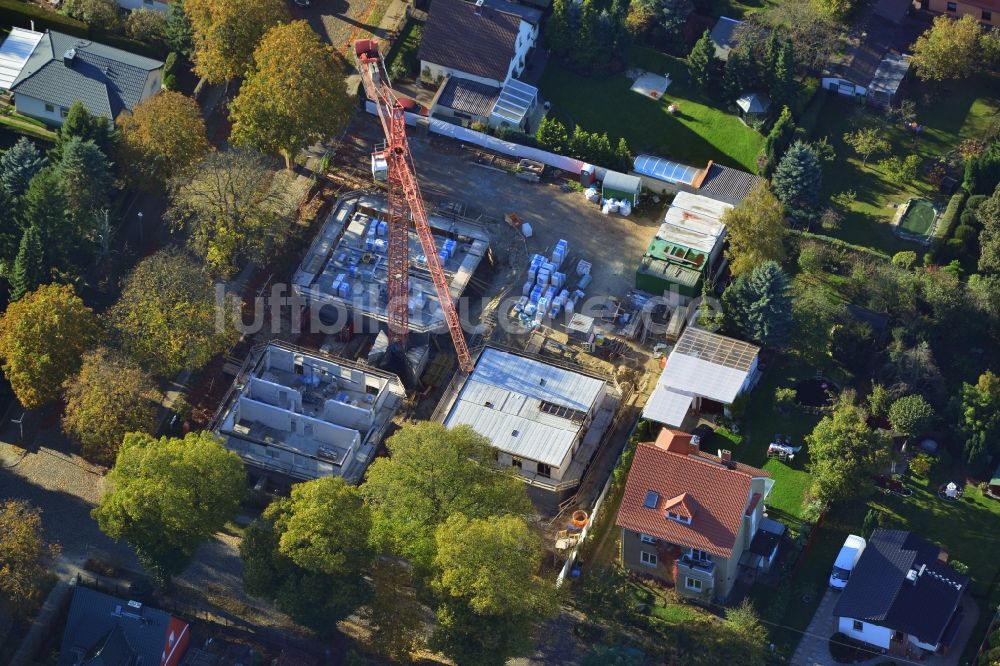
[{"x": 347, "y": 265}]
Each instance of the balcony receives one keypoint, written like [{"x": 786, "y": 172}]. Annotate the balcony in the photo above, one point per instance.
[{"x": 706, "y": 567}]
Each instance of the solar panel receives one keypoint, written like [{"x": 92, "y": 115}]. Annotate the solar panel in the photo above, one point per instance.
[{"x": 652, "y": 499}]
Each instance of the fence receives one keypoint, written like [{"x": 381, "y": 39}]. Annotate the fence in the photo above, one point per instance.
[{"x": 491, "y": 142}]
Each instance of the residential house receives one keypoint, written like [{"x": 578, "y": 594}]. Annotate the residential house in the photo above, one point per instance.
[
  {"x": 902, "y": 596},
  {"x": 723, "y": 36},
  {"x": 986, "y": 11},
  {"x": 690, "y": 518},
  {"x": 476, "y": 41},
  {"x": 705, "y": 372},
  {"x": 876, "y": 67},
  {"x": 295, "y": 415},
  {"x": 61, "y": 69},
  {"x": 102, "y": 630},
  {"x": 544, "y": 420}
]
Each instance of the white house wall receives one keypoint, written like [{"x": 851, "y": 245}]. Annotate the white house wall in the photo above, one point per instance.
[
  {"x": 870, "y": 633},
  {"x": 35, "y": 108}
]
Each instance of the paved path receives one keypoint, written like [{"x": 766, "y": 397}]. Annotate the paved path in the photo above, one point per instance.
[{"x": 813, "y": 650}]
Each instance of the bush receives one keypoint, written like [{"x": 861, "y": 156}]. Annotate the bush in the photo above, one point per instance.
[
  {"x": 975, "y": 201},
  {"x": 146, "y": 25},
  {"x": 965, "y": 233},
  {"x": 904, "y": 260},
  {"x": 103, "y": 14},
  {"x": 804, "y": 95},
  {"x": 784, "y": 398},
  {"x": 948, "y": 221},
  {"x": 994, "y": 639},
  {"x": 921, "y": 464},
  {"x": 812, "y": 259},
  {"x": 960, "y": 567},
  {"x": 506, "y": 133}
]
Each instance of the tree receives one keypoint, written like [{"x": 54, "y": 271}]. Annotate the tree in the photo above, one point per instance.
[
  {"x": 231, "y": 209},
  {"x": 226, "y": 32},
  {"x": 42, "y": 340},
  {"x": 672, "y": 16},
  {"x": 988, "y": 215},
  {"x": 852, "y": 344},
  {"x": 552, "y": 135},
  {"x": 18, "y": 166},
  {"x": 166, "y": 316},
  {"x": 703, "y": 65},
  {"x": 559, "y": 27},
  {"x": 797, "y": 180},
  {"x": 44, "y": 207},
  {"x": 980, "y": 419},
  {"x": 814, "y": 314},
  {"x": 784, "y": 86},
  {"x": 836, "y": 9},
  {"x": 146, "y": 25},
  {"x": 776, "y": 141},
  {"x": 293, "y": 65},
  {"x": 879, "y": 401},
  {"x": 911, "y": 415},
  {"x": 30, "y": 268},
  {"x": 756, "y": 230},
  {"x": 749, "y": 636},
  {"x": 394, "y": 613},
  {"x": 623, "y": 156},
  {"x": 163, "y": 137},
  {"x": 80, "y": 124},
  {"x": 167, "y": 496},
  {"x": 432, "y": 473},
  {"x": 85, "y": 179},
  {"x": 844, "y": 453},
  {"x": 110, "y": 397},
  {"x": 104, "y": 14},
  {"x": 22, "y": 555},
  {"x": 758, "y": 304},
  {"x": 491, "y": 595},
  {"x": 311, "y": 547},
  {"x": 178, "y": 31},
  {"x": 815, "y": 37},
  {"x": 949, "y": 49},
  {"x": 738, "y": 73},
  {"x": 901, "y": 172}
]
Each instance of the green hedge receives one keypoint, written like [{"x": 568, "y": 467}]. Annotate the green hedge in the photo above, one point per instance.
[
  {"x": 946, "y": 224},
  {"x": 830, "y": 240},
  {"x": 21, "y": 14}
]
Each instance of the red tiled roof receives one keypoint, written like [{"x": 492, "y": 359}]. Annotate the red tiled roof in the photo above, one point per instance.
[
  {"x": 715, "y": 494},
  {"x": 478, "y": 41}
]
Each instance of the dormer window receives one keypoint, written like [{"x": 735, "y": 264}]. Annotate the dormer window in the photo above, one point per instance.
[{"x": 671, "y": 515}]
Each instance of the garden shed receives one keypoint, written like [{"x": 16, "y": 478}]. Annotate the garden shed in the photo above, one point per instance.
[
  {"x": 621, "y": 186},
  {"x": 753, "y": 106}
]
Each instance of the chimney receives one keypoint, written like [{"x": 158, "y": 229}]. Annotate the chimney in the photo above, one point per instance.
[
  {"x": 68, "y": 57},
  {"x": 725, "y": 455},
  {"x": 943, "y": 556},
  {"x": 479, "y": 7},
  {"x": 695, "y": 445}
]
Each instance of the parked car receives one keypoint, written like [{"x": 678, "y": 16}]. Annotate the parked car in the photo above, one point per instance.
[{"x": 849, "y": 555}]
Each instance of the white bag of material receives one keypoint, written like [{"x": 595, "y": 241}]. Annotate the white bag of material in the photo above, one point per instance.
[
  {"x": 626, "y": 208},
  {"x": 613, "y": 205},
  {"x": 526, "y": 230},
  {"x": 583, "y": 267},
  {"x": 592, "y": 195},
  {"x": 606, "y": 208}
]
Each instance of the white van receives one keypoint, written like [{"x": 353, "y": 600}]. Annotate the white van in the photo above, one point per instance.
[{"x": 846, "y": 559}]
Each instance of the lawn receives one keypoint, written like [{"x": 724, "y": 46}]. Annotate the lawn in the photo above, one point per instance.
[
  {"x": 700, "y": 132},
  {"x": 964, "y": 111}
]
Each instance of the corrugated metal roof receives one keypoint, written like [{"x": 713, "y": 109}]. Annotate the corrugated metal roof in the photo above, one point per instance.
[
  {"x": 14, "y": 53},
  {"x": 694, "y": 221},
  {"x": 469, "y": 96},
  {"x": 728, "y": 185},
  {"x": 503, "y": 400},
  {"x": 663, "y": 169},
  {"x": 622, "y": 182},
  {"x": 708, "y": 365},
  {"x": 890, "y": 74},
  {"x": 667, "y": 407}
]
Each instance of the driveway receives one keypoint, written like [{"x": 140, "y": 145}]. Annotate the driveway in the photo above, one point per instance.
[{"x": 814, "y": 651}]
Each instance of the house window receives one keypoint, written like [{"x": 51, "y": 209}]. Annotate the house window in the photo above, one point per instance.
[
  {"x": 692, "y": 584},
  {"x": 544, "y": 470},
  {"x": 698, "y": 555},
  {"x": 952, "y": 7},
  {"x": 679, "y": 518},
  {"x": 859, "y": 625},
  {"x": 649, "y": 559},
  {"x": 645, "y": 538},
  {"x": 515, "y": 462},
  {"x": 49, "y": 108},
  {"x": 987, "y": 16}
]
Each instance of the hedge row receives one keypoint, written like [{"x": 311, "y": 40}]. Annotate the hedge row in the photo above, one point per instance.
[
  {"x": 878, "y": 254},
  {"x": 946, "y": 225},
  {"x": 20, "y": 14}
]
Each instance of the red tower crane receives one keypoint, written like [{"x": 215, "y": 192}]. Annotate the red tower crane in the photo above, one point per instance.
[{"x": 405, "y": 204}]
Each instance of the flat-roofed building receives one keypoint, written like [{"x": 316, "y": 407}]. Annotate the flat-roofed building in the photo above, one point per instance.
[
  {"x": 298, "y": 415},
  {"x": 544, "y": 420}
]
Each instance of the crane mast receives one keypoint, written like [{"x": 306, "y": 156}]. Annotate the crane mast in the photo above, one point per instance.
[{"x": 405, "y": 204}]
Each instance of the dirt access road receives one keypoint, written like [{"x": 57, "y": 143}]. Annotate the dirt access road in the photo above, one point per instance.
[{"x": 340, "y": 22}]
